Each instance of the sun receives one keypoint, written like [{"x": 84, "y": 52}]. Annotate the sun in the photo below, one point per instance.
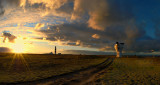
[{"x": 18, "y": 46}]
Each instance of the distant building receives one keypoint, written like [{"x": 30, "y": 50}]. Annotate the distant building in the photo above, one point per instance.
[
  {"x": 59, "y": 53},
  {"x": 51, "y": 53}
]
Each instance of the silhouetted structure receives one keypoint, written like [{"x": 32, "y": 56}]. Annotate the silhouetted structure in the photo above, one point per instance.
[
  {"x": 59, "y": 53},
  {"x": 119, "y": 47},
  {"x": 51, "y": 53},
  {"x": 55, "y": 50}
]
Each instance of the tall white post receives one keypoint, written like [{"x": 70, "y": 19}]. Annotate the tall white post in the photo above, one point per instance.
[{"x": 119, "y": 47}]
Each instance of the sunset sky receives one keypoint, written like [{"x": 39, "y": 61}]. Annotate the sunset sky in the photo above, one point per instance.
[{"x": 79, "y": 26}]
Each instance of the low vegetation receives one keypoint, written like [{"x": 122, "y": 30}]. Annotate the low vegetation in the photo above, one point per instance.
[
  {"x": 123, "y": 71},
  {"x": 17, "y": 67},
  {"x": 133, "y": 71}
]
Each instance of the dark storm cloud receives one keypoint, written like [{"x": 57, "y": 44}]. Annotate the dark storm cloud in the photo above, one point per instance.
[
  {"x": 115, "y": 23},
  {"x": 1, "y": 9},
  {"x": 103, "y": 13},
  {"x": 157, "y": 26},
  {"x": 9, "y": 3},
  {"x": 147, "y": 45},
  {"x": 67, "y": 8},
  {"x": 8, "y": 36},
  {"x": 5, "y": 49},
  {"x": 81, "y": 35},
  {"x": 111, "y": 20}
]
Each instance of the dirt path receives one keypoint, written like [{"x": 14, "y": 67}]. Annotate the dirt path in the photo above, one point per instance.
[{"x": 79, "y": 77}]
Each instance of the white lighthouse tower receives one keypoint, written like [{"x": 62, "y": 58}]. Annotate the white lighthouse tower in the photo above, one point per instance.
[{"x": 119, "y": 47}]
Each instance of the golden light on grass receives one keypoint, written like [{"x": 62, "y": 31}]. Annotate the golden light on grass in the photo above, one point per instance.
[{"x": 19, "y": 63}]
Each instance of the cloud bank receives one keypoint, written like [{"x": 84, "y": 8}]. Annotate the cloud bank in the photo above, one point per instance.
[
  {"x": 5, "y": 50},
  {"x": 8, "y": 36},
  {"x": 87, "y": 23}
]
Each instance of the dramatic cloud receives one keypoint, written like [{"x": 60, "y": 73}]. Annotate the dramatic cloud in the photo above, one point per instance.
[
  {"x": 97, "y": 9},
  {"x": 96, "y": 36},
  {"x": 103, "y": 13},
  {"x": 99, "y": 14},
  {"x": 1, "y": 10},
  {"x": 8, "y": 36},
  {"x": 132, "y": 34},
  {"x": 87, "y": 23},
  {"x": 80, "y": 35},
  {"x": 5, "y": 49}
]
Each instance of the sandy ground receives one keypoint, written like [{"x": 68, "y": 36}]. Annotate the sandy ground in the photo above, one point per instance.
[{"x": 87, "y": 76}]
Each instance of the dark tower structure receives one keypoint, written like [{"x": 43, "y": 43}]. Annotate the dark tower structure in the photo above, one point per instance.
[{"x": 55, "y": 50}]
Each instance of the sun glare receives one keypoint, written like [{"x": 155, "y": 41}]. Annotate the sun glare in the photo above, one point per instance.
[{"x": 18, "y": 46}]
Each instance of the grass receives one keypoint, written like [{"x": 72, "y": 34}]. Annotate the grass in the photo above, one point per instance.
[
  {"x": 29, "y": 67},
  {"x": 133, "y": 71}
]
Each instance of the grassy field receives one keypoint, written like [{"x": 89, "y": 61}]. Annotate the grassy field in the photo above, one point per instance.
[
  {"x": 28, "y": 67},
  {"x": 133, "y": 71},
  {"x": 123, "y": 71}
]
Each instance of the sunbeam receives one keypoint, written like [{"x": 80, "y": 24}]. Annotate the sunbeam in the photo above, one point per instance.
[{"x": 18, "y": 63}]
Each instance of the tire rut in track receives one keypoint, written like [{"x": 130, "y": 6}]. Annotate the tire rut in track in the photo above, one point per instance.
[{"x": 79, "y": 77}]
